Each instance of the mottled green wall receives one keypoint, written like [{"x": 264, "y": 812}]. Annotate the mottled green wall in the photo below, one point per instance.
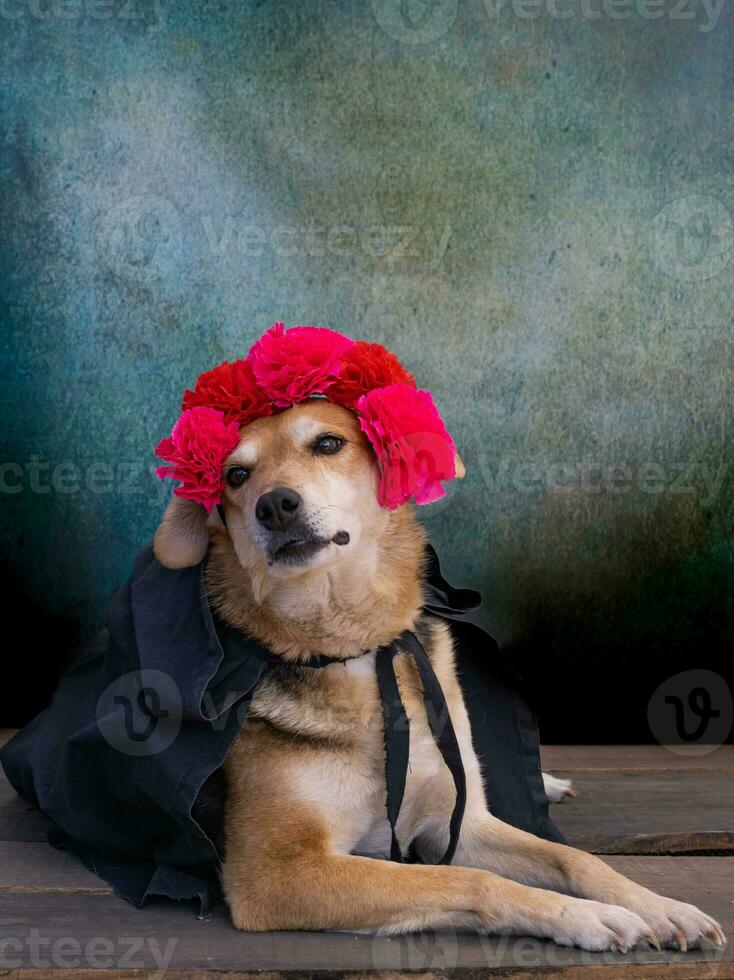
[{"x": 531, "y": 203}]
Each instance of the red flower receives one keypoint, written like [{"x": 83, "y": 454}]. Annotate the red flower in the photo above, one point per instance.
[
  {"x": 292, "y": 365},
  {"x": 232, "y": 389},
  {"x": 198, "y": 445},
  {"x": 364, "y": 367},
  {"x": 414, "y": 450}
]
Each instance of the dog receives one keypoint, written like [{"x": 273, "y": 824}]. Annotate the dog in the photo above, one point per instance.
[{"x": 308, "y": 563}]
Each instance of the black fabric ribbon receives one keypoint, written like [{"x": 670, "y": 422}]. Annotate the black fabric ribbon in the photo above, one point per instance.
[{"x": 397, "y": 736}]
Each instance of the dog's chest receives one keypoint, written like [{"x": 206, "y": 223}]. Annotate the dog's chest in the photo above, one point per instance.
[
  {"x": 323, "y": 745},
  {"x": 339, "y": 709}
]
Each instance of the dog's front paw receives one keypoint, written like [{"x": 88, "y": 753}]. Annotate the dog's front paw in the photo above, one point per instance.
[
  {"x": 676, "y": 924},
  {"x": 598, "y": 927}
]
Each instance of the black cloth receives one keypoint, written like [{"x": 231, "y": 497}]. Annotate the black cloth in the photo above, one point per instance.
[{"x": 142, "y": 721}]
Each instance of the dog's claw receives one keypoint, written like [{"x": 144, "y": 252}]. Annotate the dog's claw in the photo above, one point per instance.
[
  {"x": 654, "y": 941},
  {"x": 680, "y": 940}
]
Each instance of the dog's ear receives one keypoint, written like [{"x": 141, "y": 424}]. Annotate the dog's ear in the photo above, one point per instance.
[
  {"x": 460, "y": 468},
  {"x": 182, "y": 537}
]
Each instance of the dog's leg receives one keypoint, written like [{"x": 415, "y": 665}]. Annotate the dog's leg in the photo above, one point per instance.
[
  {"x": 493, "y": 845},
  {"x": 296, "y": 881}
]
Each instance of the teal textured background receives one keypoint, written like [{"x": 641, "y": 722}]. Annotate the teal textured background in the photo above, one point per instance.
[{"x": 533, "y": 212}]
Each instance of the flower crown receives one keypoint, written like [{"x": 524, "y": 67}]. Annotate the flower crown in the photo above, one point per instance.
[{"x": 414, "y": 451}]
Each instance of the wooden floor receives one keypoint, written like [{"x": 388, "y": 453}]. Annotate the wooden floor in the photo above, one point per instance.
[{"x": 665, "y": 819}]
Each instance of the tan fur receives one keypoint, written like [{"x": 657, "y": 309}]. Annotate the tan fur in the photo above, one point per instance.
[
  {"x": 305, "y": 777},
  {"x": 182, "y": 539}
]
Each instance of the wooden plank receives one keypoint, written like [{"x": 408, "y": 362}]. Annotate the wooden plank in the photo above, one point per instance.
[
  {"x": 661, "y": 844},
  {"x": 650, "y": 812},
  {"x": 79, "y": 931},
  {"x": 569, "y": 758},
  {"x": 34, "y": 867},
  {"x": 640, "y": 811}
]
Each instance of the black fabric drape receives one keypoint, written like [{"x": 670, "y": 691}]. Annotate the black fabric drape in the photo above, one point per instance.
[{"x": 146, "y": 715}]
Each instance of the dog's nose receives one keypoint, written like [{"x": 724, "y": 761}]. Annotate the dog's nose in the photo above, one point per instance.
[{"x": 278, "y": 509}]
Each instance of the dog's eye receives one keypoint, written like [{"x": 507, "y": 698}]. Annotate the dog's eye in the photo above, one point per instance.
[
  {"x": 327, "y": 445},
  {"x": 236, "y": 476}
]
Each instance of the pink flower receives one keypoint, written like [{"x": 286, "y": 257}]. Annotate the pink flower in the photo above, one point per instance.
[
  {"x": 232, "y": 389},
  {"x": 414, "y": 450},
  {"x": 292, "y": 365},
  {"x": 364, "y": 367},
  {"x": 198, "y": 445}
]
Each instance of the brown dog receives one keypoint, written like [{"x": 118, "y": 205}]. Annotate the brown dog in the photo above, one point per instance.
[{"x": 309, "y": 563}]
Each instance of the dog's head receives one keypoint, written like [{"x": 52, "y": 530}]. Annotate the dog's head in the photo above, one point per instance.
[
  {"x": 300, "y": 492},
  {"x": 297, "y": 489}
]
